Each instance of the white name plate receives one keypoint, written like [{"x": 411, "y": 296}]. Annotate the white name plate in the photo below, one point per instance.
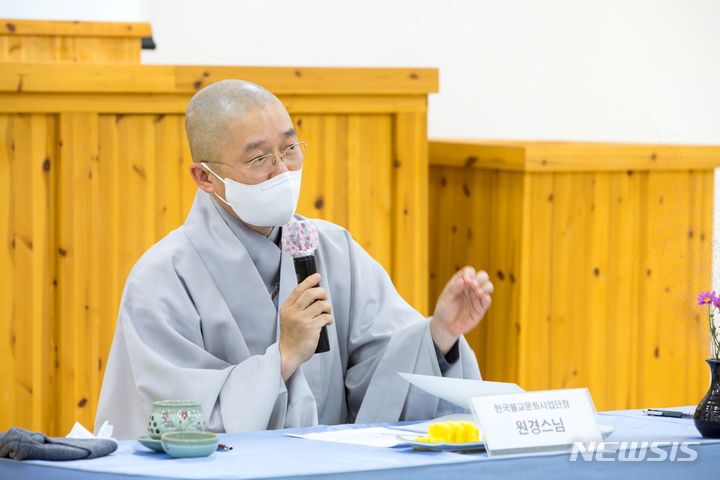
[{"x": 551, "y": 420}]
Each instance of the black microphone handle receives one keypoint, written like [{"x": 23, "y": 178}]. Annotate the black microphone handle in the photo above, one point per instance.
[{"x": 304, "y": 267}]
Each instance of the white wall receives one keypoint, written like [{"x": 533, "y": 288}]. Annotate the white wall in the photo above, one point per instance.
[
  {"x": 97, "y": 10},
  {"x": 608, "y": 70}
]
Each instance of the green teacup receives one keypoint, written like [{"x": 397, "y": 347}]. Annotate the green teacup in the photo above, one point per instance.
[{"x": 175, "y": 416}]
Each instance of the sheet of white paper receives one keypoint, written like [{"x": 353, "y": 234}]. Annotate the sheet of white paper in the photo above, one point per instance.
[
  {"x": 369, "y": 437},
  {"x": 458, "y": 390},
  {"x": 422, "y": 428}
]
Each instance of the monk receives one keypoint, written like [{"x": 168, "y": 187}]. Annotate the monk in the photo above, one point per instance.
[{"x": 213, "y": 312}]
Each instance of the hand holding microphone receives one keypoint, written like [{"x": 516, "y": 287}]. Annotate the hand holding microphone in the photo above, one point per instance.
[{"x": 306, "y": 312}]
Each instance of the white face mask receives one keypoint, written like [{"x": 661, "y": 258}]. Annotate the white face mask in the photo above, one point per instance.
[{"x": 271, "y": 203}]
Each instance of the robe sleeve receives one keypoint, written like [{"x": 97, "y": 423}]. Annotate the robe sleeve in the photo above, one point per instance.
[
  {"x": 388, "y": 336},
  {"x": 447, "y": 360},
  {"x": 160, "y": 338}
]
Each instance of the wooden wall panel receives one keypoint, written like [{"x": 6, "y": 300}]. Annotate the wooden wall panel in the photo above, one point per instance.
[
  {"x": 106, "y": 209},
  {"x": 505, "y": 267},
  {"x": 120, "y": 182},
  {"x": 327, "y": 137},
  {"x": 171, "y": 172},
  {"x": 71, "y": 42},
  {"x": 27, "y": 158},
  {"x": 607, "y": 264},
  {"x": 473, "y": 223},
  {"x": 536, "y": 271},
  {"x": 94, "y": 170},
  {"x": 623, "y": 293},
  {"x": 698, "y": 267},
  {"x": 454, "y": 241},
  {"x": 122, "y": 188},
  {"x": 561, "y": 316},
  {"x": 347, "y": 176},
  {"x": 369, "y": 187},
  {"x": 78, "y": 270},
  {"x": 42, "y": 49},
  {"x": 410, "y": 203},
  {"x": 671, "y": 341}
]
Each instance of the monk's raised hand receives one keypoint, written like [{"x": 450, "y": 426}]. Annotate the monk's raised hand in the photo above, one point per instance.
[
  {"x": 302, "y": 316},
  {"x": 460, "y": 307}
]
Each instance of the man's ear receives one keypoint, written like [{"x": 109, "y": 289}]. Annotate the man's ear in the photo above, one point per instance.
[{"x": 204, "y": 179}]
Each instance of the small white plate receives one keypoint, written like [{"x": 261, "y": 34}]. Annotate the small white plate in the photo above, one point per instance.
[
  {"x": 441, "y": 447},
  {"x": 605, "y": 431}
]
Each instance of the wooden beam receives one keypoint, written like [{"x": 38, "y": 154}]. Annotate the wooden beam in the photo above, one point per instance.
[
  {"x": 177, "y": 103},
  {"x": 476, "y": 155},
  {"x": 17, "y": 27},
  {"x": 95, "y": 78},
  {"x": 571, "y": 156}
]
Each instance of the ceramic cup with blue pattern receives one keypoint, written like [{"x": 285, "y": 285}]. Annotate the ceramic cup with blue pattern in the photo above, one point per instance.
[{"x": 175, "y": 416}]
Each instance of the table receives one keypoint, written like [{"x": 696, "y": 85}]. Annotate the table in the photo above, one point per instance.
[{"x": 273, "y": 454}]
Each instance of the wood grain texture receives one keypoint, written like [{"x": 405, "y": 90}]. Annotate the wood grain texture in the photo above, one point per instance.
[
  {"x": 116, "y": 180},
  {"x": 409, "y": 209},
  {"x": 73, "y": 50},
  {"x": 571, "y": 156},
  {"x": 119, "y": 78},
  {"x": 27, "y": 160},
  {"x": 606, "y": 268},
  {"x": 176, "y": 103},
  {"x": 57, "y": 28},
  {"x": 34, "y": 41},
  {"x": 471, "y": 223}
]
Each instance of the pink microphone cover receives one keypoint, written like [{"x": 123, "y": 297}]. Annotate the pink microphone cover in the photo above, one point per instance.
[{"x": 300, "y": 238}]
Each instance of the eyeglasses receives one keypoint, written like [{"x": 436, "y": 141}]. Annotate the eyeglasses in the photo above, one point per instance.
[{"x": 291, "y": 155}]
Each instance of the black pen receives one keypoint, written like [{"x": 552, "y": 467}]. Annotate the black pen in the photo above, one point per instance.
[{"x": 666, "y": 413}]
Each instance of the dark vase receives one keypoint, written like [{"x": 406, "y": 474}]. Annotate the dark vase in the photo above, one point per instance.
[{"x": 707, "y": 414}]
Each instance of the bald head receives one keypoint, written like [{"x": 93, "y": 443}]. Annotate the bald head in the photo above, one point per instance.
[{"x": 213, "y": 110}]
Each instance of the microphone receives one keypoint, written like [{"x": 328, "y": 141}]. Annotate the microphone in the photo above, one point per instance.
[{"x": 300, "y": 240}]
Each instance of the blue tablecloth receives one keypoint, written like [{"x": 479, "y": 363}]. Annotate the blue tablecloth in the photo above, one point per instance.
[{"x": 273, "y": 454}]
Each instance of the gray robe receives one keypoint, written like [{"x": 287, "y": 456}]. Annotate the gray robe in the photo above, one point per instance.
[{"x": 196, "y": 322}]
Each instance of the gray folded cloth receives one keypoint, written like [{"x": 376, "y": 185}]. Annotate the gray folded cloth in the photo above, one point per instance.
[{"x": 20, "y": 444}]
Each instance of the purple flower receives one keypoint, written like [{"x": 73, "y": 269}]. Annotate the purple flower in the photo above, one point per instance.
[{"x": 708, "y": 298}]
